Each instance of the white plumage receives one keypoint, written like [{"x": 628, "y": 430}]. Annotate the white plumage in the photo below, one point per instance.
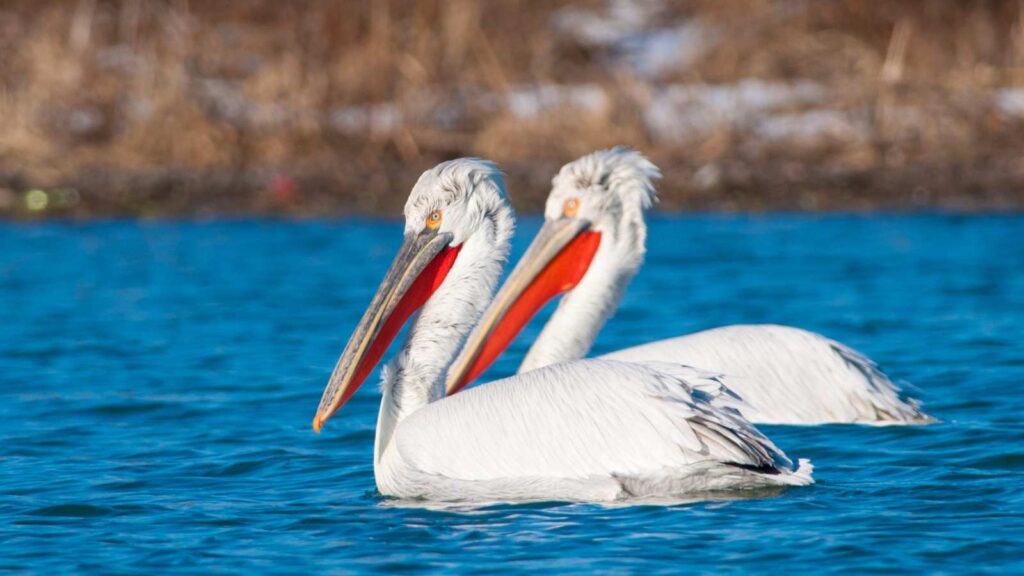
[
  {"x": 590, "y": 430},
  {"x": 788, "y": 375}
]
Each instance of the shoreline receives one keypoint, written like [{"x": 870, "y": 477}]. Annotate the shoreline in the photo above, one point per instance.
[{"x": 726, "y": 188}]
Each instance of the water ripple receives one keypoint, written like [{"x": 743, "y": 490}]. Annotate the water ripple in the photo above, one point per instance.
[{"x": 157, "y": 383}]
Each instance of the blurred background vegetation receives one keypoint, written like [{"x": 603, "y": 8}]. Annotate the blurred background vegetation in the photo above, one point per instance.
[{"x": 309, "y": 107}]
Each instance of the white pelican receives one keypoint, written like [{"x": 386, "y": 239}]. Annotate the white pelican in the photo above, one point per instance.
[
  {"x": 589, "y": 430},
  {"x": 592, "y": 244}
]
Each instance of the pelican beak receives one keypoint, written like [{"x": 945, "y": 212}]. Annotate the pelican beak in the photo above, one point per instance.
[
  {"x": 554, "y": 263},
  {"x": 419, "y": 268}
]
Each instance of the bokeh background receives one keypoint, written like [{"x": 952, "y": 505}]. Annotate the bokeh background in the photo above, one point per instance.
[
  {"x": 314, "y": 107},
  {"x": 161, "y": 358}
]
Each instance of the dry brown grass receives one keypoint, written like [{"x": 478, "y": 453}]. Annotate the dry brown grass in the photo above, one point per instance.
[{"x": 139, "y": 103}]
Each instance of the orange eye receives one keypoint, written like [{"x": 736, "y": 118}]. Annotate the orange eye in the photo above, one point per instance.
[
  {"x": 434, "y": 220},
  {"x": 571, "y": 207}
]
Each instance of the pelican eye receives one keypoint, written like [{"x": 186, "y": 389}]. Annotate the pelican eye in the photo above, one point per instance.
[
  {"x": 434, "y": 220},
  {"x": 571, "y": 207}
]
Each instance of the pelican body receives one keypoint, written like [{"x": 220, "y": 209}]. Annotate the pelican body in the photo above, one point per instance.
[
  {"x": 587, "y": 430},
  {"x": 591, "y": 245}
]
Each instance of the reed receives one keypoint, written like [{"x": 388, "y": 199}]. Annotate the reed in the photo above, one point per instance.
[{"x": 136, "y": 102}]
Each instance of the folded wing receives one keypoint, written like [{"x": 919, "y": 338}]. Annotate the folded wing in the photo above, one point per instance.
[{"x": 589, "y": 420}]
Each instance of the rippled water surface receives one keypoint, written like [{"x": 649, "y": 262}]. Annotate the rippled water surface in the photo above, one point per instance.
[{"x": 157, "y": 382}]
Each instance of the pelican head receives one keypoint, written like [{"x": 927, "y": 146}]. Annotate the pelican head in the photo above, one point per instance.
[
  {"x": 607, "y": 189},
  {"x": 457, "y": 227},
  {"x": 593, "y": 236}
]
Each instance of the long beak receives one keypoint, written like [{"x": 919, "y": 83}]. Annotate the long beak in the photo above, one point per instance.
[
  {"x": 419, "y": 268},
  {"x": 554, "y": 263}
]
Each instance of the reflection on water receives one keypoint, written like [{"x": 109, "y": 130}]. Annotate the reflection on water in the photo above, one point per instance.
[{"x": 693, "y": 498}]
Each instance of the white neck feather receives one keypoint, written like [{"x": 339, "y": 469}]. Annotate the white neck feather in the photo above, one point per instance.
[
  {"x": 415, "y": 376},
  {"x": 583, "y": 311}
]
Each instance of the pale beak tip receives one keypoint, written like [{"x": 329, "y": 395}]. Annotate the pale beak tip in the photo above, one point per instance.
[{"x": 318, "y": 423}]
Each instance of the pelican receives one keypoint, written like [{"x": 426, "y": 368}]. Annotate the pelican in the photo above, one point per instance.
[
  {"x": 587, "y": 430},
  {"x": 591, "y": 245}
]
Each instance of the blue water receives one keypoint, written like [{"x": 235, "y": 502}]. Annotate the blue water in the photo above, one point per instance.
[{"x": 157, "y": 382}]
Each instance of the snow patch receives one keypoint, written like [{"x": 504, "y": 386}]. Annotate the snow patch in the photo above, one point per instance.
[
  {"x": 530, "y": 102},
  {"x": 630, "y": 33},
  {"x": 1010, "y": 101},
  {"x": 373, "y": 117},
  {"x": 661, "y": 51},
  {"x": 621, "y": 19},
  {"x": 681, "y": 112},
  {"x": 810, "y": 127}
]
